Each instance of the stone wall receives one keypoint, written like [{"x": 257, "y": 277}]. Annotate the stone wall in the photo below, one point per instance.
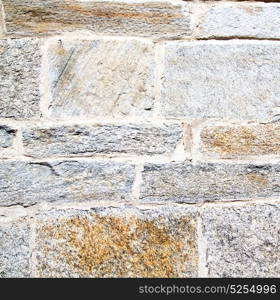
[{"x": 139, "y": 138}]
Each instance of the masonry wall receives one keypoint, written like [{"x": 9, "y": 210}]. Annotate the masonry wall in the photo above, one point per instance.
[{"x": 139, "y": 138}]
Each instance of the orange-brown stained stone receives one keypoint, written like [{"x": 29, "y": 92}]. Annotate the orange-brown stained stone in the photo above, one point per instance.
[
  {"x": 241, "y": 141},
  {"x": 118, "y": 243},
  {"x": 144, "y": 19}
]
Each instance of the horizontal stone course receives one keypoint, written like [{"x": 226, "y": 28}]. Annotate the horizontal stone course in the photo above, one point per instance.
[
  {"x": 187, "y": 183},
  {"x": 235, "y": 20},
  {"x": 223, "y": 79},
  {"x": 117, "y": 242},
  {"x": 240, "y": 141},
  {"x": 20, "y": 62},
  {"x": 28, "y": 183},
  {"x": 111, "y": 139},
  {"x": 242, "y": 241},
  {"x": 101, "y": 78},
  {"x": 15, "y": 253},
  {"x": 141, "y": 18}
]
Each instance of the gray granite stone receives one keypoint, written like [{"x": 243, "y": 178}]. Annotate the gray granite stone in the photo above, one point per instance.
[
  {"x": 15, "y": 253},
  {"x": 242, "y": 241},
  {"x": 28, "y": 183},
  {"x": 20, "y": 61},
  {"x": 183, "y": 182}
]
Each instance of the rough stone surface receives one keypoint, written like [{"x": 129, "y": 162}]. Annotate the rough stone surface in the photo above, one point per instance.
[
  {"x": 101, "y": 139},
  {"x": 182, "y": 182},
  {"x": 14, "y": 249},
  {"x": 101, "y": 78},
  {"x": 143, "y": 18},
  {"x": 242, "y": 241},
  {"x": 250, "y": 20},
  {"x": 28, "y": 183},
  {"x": 236, "y": 141},
  {"x": 227, "y": 79},
  {"x": 7, "y": 136},
  {"x": 20, "y": 61},
  {"x": 118, "y": 242}
]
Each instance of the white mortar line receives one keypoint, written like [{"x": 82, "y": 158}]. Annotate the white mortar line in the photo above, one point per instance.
[
  {"x": 136, "y": 189},
  {"x": 159, "y": 71},
  {"x": 202, "y": 249}
]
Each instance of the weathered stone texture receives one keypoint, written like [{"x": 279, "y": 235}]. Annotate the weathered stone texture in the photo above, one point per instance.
[
  {"x": 2, "y": 26},
  {"x": 101, "y": 78},
  {"x": 7, "y": 136},
  {"x": 182, "y": 182},
  {"x": 101, "y": 139},
  {"x": 146, "y": 18},
  {"x": 20, "y": 61},
  {"x": 28, "y": 183},
  {"x": 226, "y": 79},
  {"x": 246, "y": 20},
  {"x": 237, "y": 141},
  {"x": 242, "y": 241},
  {"x": 118, "y": 242},
  {"x": 14, "y": 249}
]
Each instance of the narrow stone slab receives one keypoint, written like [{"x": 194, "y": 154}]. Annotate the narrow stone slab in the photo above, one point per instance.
[
  {"x": 101, "y": 78},
  {"x": 141, "y": 18},
  {"x": 242, "y": 241},
  {"x": 224, "y": 79},
  {"x": 117, "y": 242},
  {"x": 20, "y": 62},
  {"x": 15, "y": 253},
  {"x": 182, "y": 182},
  {"x": 28, "y": 183},
  {"x": 238, "y": 141},
  {"x": 137, "y": 139},
  {"x": 236, "y": 20}
]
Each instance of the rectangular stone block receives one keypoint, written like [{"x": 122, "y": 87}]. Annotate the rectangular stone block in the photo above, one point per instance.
[
  {"x": 242, "y": 241},
  {"x": 186, "y": 183},
  {"x": 240, "y": 20},
  {"x": 140, "y": 139},
  {"x": 129, "y": 18},
  {"x": 7, "y": 141},
  {"x": 117, "y": 242},
  {"x": 221, "y": 79},
  {"x": 28, "y": 183},
  {"x": 15, "y": 252},
  {"x": 20, "y": 62},
  {"x": 101, "y": 78},
  {"x": 240, "y": 141}
]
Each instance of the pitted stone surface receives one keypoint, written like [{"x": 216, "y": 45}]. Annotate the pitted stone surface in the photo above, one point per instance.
[
  {"x": 242, "y": 241},
  {"x": 15, "y": 253},
  {"x": 20, "y": 61}
]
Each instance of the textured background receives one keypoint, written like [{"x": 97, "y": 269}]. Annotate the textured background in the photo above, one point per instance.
[{"x": 139, "y": 138}]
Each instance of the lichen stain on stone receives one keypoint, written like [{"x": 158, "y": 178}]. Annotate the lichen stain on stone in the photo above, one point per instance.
[
  {"x": 114, "y": 247},
  {"x": 231, "y": 141},
  {"x": 70, "y": 15},
  {"x": 251, "y": 9},
  {"x": 260, "y": 181}
]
